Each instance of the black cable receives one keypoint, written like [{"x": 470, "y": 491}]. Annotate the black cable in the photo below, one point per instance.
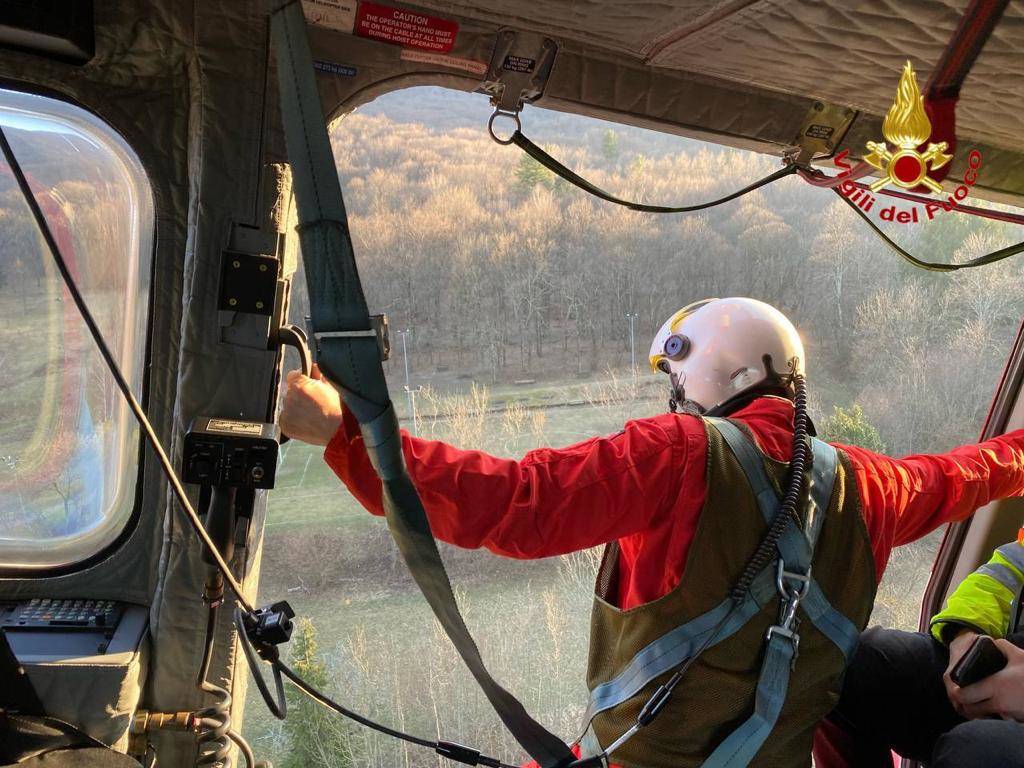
[
  {"x": 931, "y": 266},
  {"x": 278, "y": 707},
  {"x": 244, "y": 748},
  {"x": 212, "y": 723},
  {"x": 574, "y": 178},
  {"x": 115, "y": 370},
  {"x": 766, "y": 550},
  {"x": 447, "y": 749}
]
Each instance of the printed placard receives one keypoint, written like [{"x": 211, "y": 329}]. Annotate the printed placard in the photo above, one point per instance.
[
  {"x": 339, "y": 15},
  {"x": 408, "y": 29}
]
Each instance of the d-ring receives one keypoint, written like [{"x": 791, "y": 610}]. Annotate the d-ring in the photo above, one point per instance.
[{"x": 502, "y": 113}]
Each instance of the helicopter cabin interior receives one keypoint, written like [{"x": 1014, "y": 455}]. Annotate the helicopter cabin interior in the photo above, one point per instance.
[{"x": 157, "y": 141}]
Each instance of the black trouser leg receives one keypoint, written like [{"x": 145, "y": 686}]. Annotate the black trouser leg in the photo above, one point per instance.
[
  {"x": 893, "y": 696},
  {"x": 981, "y": 744}
]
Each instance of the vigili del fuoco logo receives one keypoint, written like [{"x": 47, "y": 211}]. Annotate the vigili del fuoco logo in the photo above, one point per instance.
[{"x": 903, "y": 162}]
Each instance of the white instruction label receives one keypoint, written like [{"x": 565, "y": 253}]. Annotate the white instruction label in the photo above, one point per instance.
[
  {"x": 229, "y": 427},
  {"x": 339, "y": 15}
]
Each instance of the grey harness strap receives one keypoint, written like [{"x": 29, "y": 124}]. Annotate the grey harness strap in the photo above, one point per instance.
[
  {"x": 350, "y": 358},
  {"x": 796, "y": 549}
]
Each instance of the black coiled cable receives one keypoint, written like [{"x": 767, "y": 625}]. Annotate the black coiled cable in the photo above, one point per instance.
[
  {"x": 790, "y": 510},
  {"x": 212, "y": 723}
]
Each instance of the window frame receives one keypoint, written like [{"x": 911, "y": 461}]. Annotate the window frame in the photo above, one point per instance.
[{"x": 147, "y": 258}]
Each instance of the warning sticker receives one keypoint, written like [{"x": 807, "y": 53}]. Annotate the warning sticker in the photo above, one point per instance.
[
  {"x": 406, "y": 28},
  {"x": 424, "y": 57},
  {"x": 332, "y": 14},
  {"x": 229, "y": 427}
]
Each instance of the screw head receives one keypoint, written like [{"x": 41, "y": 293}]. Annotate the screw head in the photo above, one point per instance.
[
  {"x": 259, "y": 305},
  {"x": 263, "y": 267},
  {"x": 232, "y": 302},
  {"x": 236, "y": 263}
]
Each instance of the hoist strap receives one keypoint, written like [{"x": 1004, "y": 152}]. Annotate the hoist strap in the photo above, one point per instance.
[
  {"x": 353, "y": 363},
  {"x": 980, "y": 261},
  {"x": 572, "y": 177},
  {"x": 972, "y": 32},
  {"x": 795, "y": 547},
  {"x": 743, "y": 744}
]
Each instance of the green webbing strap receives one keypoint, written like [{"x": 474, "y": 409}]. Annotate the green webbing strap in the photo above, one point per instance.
[{"x": 337, "y": 305}]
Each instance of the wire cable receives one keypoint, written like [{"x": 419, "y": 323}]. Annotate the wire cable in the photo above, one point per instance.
[
  {"x": 212, "y": 723},
  {"x": 553, "y": 165},
  {"x": 115, "y": 370},
  {"x": 931, "y": 266},
  {"x": 446, "y": 749},
  {"x": 278, "y": 707},
  {"x": 244, "y": 748}
]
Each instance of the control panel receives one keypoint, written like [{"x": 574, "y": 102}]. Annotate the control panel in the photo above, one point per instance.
[{"x": 226, "y": 453}]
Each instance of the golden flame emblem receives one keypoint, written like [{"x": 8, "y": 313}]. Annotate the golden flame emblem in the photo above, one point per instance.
[{"x": 906, "y": 127}]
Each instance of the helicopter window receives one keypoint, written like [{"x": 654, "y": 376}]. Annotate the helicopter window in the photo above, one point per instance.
[
  {"x": 521, "y": 313},
  {"x": 68, "y": 444}
]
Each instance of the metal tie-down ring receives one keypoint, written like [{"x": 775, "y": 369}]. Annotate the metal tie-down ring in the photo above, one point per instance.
[{"x": 503, "y": 113}]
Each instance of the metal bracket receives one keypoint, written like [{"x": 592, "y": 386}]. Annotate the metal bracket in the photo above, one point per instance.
[
  {"x": 248, "y": 283},
  {"x": 378, "y": 329},
  {"x": 519, "y": 69},
  {"x": 823, "y": 129}
]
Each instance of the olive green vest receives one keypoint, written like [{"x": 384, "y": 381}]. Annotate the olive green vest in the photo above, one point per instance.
[{"x": 717, "y": 693}]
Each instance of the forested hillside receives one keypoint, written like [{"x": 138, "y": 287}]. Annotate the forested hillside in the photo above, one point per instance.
[{"x": 505, "y": 273}]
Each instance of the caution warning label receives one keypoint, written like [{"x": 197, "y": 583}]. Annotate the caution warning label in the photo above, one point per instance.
[{"x": 406, "y": 28}]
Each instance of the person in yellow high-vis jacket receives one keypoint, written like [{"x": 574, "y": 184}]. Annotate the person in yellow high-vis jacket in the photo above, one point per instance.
[{"x": 898, "y": 696}]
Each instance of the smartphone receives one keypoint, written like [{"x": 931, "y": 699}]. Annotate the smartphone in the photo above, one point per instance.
[{"x": 982, "y": 659}]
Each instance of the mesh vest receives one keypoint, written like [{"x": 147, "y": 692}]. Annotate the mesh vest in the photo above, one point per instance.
[{"x": 717, "y": 693}]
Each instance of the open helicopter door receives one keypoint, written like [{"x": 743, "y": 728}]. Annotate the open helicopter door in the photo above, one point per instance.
[{"x": 969, "y": 544}]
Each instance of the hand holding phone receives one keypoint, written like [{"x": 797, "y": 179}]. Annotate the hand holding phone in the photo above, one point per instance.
[{"x": 982, "y": 659}]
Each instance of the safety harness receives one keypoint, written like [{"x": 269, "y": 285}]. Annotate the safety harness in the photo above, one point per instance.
[{"x": 788, "y": 578}]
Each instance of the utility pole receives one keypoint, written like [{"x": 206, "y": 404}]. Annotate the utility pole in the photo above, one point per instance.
[
  {"x": 410, "y": 394},
  {"x": 632, "y": 317}
]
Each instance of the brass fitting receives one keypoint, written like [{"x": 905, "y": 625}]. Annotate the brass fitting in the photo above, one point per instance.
[{"x": 145, "y": 721}]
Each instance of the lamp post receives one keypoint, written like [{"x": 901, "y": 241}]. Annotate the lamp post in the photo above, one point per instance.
[{"x": 632, "y": 317}]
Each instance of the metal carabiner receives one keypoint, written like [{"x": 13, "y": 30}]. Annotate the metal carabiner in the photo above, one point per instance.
[{"x": 498, "y": 112}]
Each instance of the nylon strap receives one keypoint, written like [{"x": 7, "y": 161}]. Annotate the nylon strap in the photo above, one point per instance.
[
  {"x": 574, "y": 178},
  {"x": 353, "y": 363},
  {"x": 980, "y": 261},
  {"x": 794, "y": 547},
  {"x": 743, "y": 744}
]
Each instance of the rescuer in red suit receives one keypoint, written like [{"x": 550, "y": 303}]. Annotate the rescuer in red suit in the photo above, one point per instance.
[{"x": 647, "y": 487}]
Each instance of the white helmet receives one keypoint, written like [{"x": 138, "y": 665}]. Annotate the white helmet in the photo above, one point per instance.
[{"x": 716, "y": 349}]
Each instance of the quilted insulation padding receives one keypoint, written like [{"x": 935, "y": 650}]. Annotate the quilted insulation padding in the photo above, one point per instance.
[{"x": 845, "y": 52}]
